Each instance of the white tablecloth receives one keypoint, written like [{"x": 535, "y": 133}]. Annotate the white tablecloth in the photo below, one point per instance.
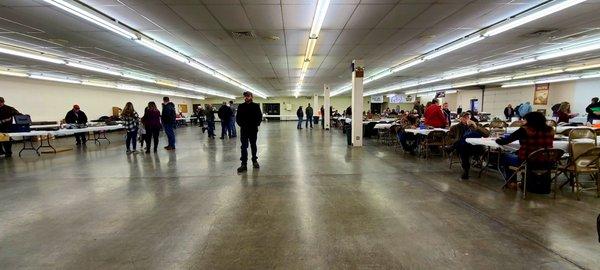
[
  {"x": 423, "y": 131},
  {"x": 514, "y": 146},
  {"x": 63, "y": 132},
  {"x": 383, "y": 126}
]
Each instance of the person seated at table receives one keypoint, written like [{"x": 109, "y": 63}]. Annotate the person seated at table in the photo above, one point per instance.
[
  {"x": 473, "y": 118},
  {"x": 369, "y": 114},
  {"x": 393, "y": 113},
  {"x": 77, "y": 117},
  {"x": 564, "y": 113},
  {"x": 407, "y": 139},
  {"x": 593, "y": 110},
  {"x": 461, "y": 131},
  {"x": 535, "y": 134},
  {"x": 434, "y": 115},
  {"x": 6, "y": 118}
]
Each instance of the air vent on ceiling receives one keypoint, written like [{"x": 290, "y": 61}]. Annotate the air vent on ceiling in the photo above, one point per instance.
[{"x": 243, "y": 35}]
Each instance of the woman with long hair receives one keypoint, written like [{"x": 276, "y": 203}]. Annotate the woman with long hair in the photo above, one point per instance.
[
  {"x": 151, "y": 121},
  {"x": 564, "y": 112},
  {"x": 535, "y": 134},
  {"x": 132, "y": 122}
]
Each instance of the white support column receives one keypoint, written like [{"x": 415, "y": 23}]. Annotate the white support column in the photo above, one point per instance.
[
  {"x": 357, "y": 103},
  {"x": 316, "y": 104},
  {"x": 326, "y": 105}
]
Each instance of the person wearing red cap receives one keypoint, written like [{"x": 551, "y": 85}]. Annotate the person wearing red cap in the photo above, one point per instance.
[{"x": 78, "y": 118}]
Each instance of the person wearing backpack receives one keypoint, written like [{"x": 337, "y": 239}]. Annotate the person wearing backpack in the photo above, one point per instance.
[
  {"x": 132, "y": 123},
  {"x": 6, "y": 118}
]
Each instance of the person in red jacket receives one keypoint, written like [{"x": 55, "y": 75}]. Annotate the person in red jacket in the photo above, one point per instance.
[{"x": 434, "y": 116}]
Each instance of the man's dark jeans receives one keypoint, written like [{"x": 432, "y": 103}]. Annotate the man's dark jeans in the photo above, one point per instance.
[{"x": 248, "y": 137}]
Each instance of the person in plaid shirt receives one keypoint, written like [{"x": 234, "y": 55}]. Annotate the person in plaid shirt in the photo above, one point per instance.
[
  {"x": 532, "y": 136},
  {"x": 132, "y": 122}
]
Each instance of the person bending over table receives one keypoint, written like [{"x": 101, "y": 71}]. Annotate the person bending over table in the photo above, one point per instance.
[
  {"x": 535, "y": 134},
  {"x": 77, "y": 117},
  {"x": 564, "y": 113},
  {"x": 408, "y": 140},
  {"x": 461, "y": 131},
  {"x": 434, "y": 116},
  {"x": 6, "y": 118}
]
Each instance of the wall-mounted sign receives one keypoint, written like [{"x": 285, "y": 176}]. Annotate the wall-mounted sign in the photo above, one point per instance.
[
  {"x": 395, "y": 99},
  {"x": 540, "y": 96},
  {"x": 409, "y": 98},
  {"x": 440, "y": 94},
  {"x": 377, "y": 99}
]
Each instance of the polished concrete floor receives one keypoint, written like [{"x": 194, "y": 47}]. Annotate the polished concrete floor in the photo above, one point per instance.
[{"x": 314, "y": 204}]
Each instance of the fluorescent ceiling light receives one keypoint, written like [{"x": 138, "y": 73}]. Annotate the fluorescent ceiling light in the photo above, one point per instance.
[
  {"x": 322, "y": 6},
  {"x": 453, "y": 47},
  {"x": 534, "y": 15},
  {"x": 8, "y": 49},
  {"x": 517, "y": 84},
  {"x": 201, "y": 67},
  {"x": 569, "y": 51},
  {"x": 582, "y": 67},
  {"x": 589, "y": 76},
  {"x": 99, "y": 84},
  {"x": 537, "y": 74},
  {"x": 80, "y": 11},
  {"x": 139, "y": 77},
  {"x": 310, "y": 49},
  {"x": 508, "y": 64},
  {"x": 13, "y": 73},
  {"x": 92, "y": 68},
  {"x": 55, "y": 79},
  {"x": 558, "y": 79},
  {"x": 460, "y": 74},
  {"x": 160, "y": 48},
  {"x": 407, "y": 65},
  {"x": 167, "y": 83}
]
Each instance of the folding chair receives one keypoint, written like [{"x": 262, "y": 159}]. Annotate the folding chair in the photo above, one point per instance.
[
  {"x": 539, "y": 162},
  {"x": 586, "y": 162},
  {"x": 434, "y": 138}
]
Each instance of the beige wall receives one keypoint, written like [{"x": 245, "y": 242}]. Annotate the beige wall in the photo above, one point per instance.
[
  {"x": 50, "y": 101},
  {"x": 578, "y": 93}
]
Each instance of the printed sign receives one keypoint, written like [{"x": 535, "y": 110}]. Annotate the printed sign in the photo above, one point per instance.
[
  {"x": 395, "y": 99},
  {"x": 540, "y": 96},
  {"x": 377, "y": 99}
]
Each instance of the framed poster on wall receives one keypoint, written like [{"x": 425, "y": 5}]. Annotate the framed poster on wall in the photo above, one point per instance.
[
  {"x": 377, "y": 99},
  {"x": 540, "y": 95},
  {"x": 182, "y": 108}
]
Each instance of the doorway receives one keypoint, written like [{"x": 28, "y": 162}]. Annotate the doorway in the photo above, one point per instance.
[
  {"x": 375, "y": 108},
  {"x": 272, "y": 109}
]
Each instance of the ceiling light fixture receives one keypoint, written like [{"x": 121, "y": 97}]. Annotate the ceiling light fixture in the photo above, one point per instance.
[
  {"x": 95, "y": 17},
  {"x": 507, "y": 64},
  {"x": 93, "y": 68},
  {"x": 9, "y": 72},
  {"x": 88, "y": 15},
  {"x": 507, "y": 24},
  {"x": 592, "y": 46},
  {"x": 18, "y": 51},
  {"x": 453, "y": 46},
  {"x": 540, "y": 12},
  {"x": 54, "y": 79}
]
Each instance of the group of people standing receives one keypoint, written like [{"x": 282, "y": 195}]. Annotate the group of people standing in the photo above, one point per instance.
[
  {"x": 309, "y": 113},
  {"x": 149, "y": 125}
]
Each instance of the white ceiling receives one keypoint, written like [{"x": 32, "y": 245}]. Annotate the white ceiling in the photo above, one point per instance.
[{"x": 381, "y": 32}]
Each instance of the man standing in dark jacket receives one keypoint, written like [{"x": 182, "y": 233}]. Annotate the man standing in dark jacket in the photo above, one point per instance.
[
  {"x": 309, "y": 116},
  {"x": 168, "y": 122},
  {"x": 248, "y": 118},
  {"x": 6, "y": 118},
  {"x": 225, "y": 115},
  {"x": 77, "y": 117}
]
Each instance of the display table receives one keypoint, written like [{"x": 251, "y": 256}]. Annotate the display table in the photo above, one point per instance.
[{"x": 99, "y": 133}]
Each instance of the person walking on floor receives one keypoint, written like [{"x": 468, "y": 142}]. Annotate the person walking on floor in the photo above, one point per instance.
[
  {"x": 151, "y": 121},
  {"x": 232, "y": 128},
  {"x": 225, "y": 116},
  {"x": 132, "y": 122},
  {"x": 309, "y": 116},
  {"x": 249, "y": 117},
  {"x": 168, "y": 118},
  {"x": 79, "y": 119},
  {"x": 6, "y": 118},
  {"x": 210, "y": 120},
  {"x": 300, "y": 114}
]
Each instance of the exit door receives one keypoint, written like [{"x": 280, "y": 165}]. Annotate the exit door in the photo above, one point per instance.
[{"x": 272, "y": 109}]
